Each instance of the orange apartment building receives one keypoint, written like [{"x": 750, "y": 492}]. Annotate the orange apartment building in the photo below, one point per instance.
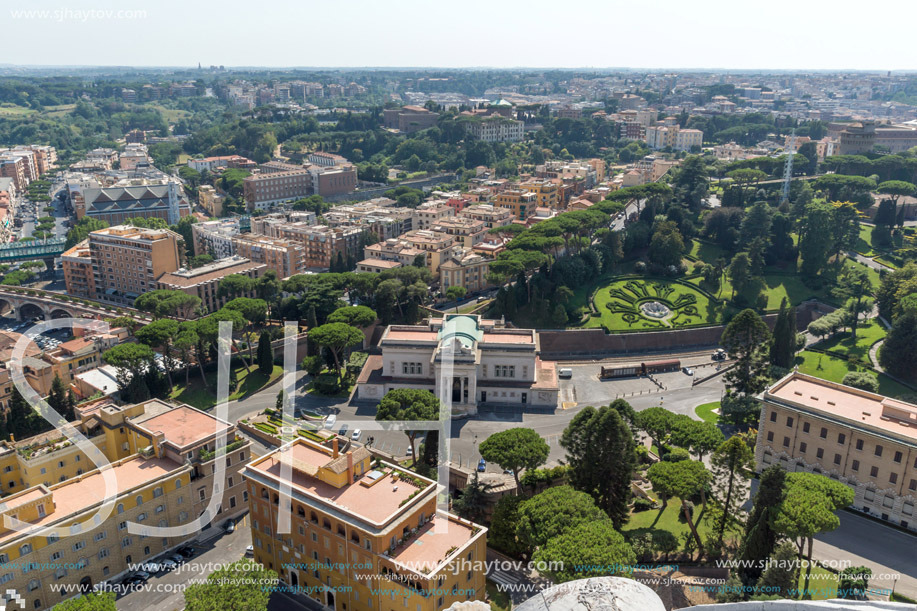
[
  {"x": 322, "y": 243},
  {"x": 365, "y": 534},
  {"x": 204, "y": 282},
  {"x": 268, "y": 188},
  {"x": 286, "y": 257},
  {"x": 127, "y": 261},
  {"x": 79, "y": 277}
]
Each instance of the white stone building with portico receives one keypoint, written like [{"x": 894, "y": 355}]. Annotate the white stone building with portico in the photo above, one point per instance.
[{"x": 489, "y": 363}]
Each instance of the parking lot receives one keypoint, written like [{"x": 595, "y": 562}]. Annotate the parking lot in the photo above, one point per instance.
[
  {"x": 586, "y": 388},
  {"x": 46, "y": 341}
]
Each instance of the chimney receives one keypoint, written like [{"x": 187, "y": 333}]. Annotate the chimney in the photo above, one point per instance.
[
  {"x": 349, "y": 467},
  {"x": 334, "y": 447}
]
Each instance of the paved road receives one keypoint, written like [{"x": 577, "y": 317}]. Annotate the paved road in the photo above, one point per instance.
[
  {"x": 166, "y": 590},
  {"x": 885, "y": 550},
  {"x": 868, "y": 262},
  {"x": 583, "y": 389}
]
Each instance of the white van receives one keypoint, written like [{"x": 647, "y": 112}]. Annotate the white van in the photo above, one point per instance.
[{"x": 565, "y": 372}]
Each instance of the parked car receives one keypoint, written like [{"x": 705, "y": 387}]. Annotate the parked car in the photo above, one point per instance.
[
  {"x": 151, "y": 567},
  {"x": 168, "y": 565},
  {"x": 687, "y": 371},
  {"x": 230, "y": 526},
  {"x": 565, "y": 372},
  {"x": 250, "y": 550},
  {"x": 187, "y": 551},
  {"x": 357, "y": 433},
  {"x": 177, "y": 558},
  {"x": 410, "y": 451},
  {"x": 143, "y": 576},
  {"x": 482, "y": 466},
  {"x": 343, "y": 431},
  {"x": 330, "y": 421}
]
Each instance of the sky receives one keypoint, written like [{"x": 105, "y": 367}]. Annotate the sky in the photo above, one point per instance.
[{"x": 733, "y": 34}]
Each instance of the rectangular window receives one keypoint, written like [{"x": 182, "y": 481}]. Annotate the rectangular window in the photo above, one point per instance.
[
  {"x": 898, "y": 457},
  {"x": 770, "y": 435},
  {"x": 855, "y": 465},
  {"x": 859, "y": 444},
  {"x": 805, "y": 427},
  {"x": 789, "y": 421},
  {"x": 773, "y": 416},
  {"x": 823, "y": 433},
  {"x": 819, "y": 453},
  {"x": 874, "y": 472},
  {"x": 892, "y": 478},
  {"x": 802, "y": 447},
  {"x": 837, "y": 459},
  {"x": 841, "y": 438},
  {"x": 786, "y": 442}
]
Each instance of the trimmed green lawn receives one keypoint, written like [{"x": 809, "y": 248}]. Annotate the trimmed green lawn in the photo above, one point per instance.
[
  {"x": 705, "y": 412},
  {"x": 864, "y": 242},
  {"x": 868, "y": 333},
  {"x": 667, "y": 519},
  {"x": 707, "y": 252},
  {"x": 823, "y": 583},
  {"x": 834, "y": 369},
  {"x": 204, "y": 397},
  {"x": 655, "y": 289}
]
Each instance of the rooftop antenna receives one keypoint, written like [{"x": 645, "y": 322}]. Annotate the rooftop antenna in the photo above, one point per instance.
[{"x": 788, "y": 168}]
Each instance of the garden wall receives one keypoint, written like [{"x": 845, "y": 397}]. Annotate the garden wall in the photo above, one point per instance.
[{"x": 580, "y": 343}]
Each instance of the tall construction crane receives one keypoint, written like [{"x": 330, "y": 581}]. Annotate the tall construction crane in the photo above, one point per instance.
[{"x": 788, "y": 167}]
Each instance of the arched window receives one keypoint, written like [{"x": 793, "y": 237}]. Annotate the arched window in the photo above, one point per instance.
[
  {"x": 25, "y": 549},
  {"x": 177, "y": 484},
  {"x": 139, "y": 499},
  {"x": 264, "y": 494},
  {"x": 300, "y": 511},
  {"x": 34, "y": 585},
  {"x": 120, "y": 507}
]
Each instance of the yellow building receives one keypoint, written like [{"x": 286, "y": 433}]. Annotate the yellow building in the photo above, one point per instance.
[
  {"x": 520, "y": 202},
  {"x": 436, "y": 244},
  {"x": 465, "y": 268},
  {"x": 546, "y": 192},
  {"x": 72, "y": 548},
  {"x": 365, "y": 534},
  {"x": 179, "y": 432}
]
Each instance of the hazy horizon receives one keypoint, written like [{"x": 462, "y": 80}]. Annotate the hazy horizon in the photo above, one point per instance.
[{"x": 590, "y": 35}]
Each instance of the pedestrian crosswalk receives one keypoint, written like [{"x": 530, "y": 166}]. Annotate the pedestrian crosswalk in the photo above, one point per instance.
[{"x": 502, "y": 577}]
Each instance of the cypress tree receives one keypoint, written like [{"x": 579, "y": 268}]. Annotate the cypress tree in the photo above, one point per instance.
[
  {"x": 784, "y": 342},
  {"x": 760, "y": 537},
  {"x": 265, "y": 354}
]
